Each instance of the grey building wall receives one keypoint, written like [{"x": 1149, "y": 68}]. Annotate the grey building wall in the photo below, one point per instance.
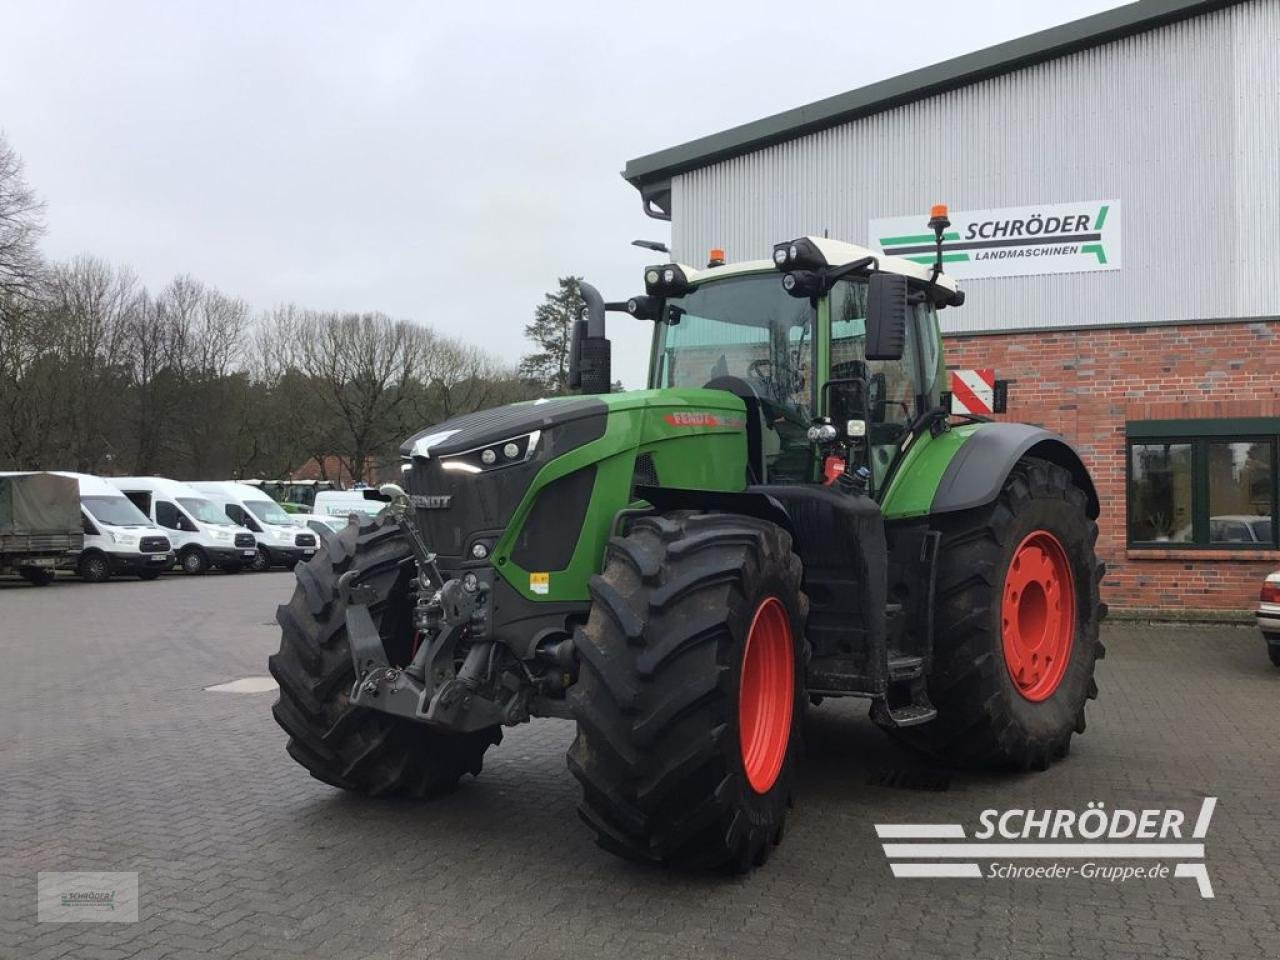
[{"x": 1181, "y": 123}]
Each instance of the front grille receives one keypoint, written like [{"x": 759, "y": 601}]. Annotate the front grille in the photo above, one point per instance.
[
  {"x": 550, "y": 533},
  {"x": 154, "y": 545},
  {"x": 245, "y": 540},
  {"x": 305, "y": 540},
  {"x": 645, "y": 473}
]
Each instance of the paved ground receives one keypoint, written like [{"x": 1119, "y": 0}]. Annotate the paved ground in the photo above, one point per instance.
[{"x": 113, "y": 757}]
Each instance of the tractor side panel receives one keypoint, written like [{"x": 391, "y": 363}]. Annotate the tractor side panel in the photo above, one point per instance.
[
  {"x": 693, "y": 439},
  {"x": 915, "y": 482}
]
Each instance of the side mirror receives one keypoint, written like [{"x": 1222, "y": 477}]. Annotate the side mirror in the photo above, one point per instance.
[
  {"x": 590, "y": 353},
  {"x": 886, "y": 316}
]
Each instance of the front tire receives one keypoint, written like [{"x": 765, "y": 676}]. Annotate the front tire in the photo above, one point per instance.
[
  {"x": 689, "y": 697},
  {"x": 350, "y": 747},
  {"x": 94, "y": 568},
  {"x": 194, "y": 562},
  {"x": 261, "y": 561},
  {"x": 1016, "y": 625},
  {"x": 1273, "y": 650}
]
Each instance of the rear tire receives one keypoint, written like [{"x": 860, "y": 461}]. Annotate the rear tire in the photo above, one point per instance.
[
  {"x": 986, "y": 717},
  {"x": 1273, "y": 651},
  {"x": 350, "y": 747},
  {"x": 682, "y": 760},
  {"x": 37, "y": 576},
  {"x": 194, "y": 562},
  {"x": 261, "y": 561},
  {"x": 94, "y": 568}
]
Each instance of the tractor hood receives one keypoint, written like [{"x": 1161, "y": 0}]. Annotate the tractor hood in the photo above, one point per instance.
[{"x": 474, "y": 430}]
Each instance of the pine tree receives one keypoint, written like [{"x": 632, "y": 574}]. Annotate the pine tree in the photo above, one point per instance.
[{"x": 550, "y": 331}]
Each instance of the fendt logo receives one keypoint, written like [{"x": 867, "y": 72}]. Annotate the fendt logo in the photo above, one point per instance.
[
  {"x": 431, "y": 501},
  {"x": 1011, "y": 241},
  {"x": 1115, "y": 846},
  {"x": 702, "y": 418}
]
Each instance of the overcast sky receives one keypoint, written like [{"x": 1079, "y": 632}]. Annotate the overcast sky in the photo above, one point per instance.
[{"x": 439, "y": 162}]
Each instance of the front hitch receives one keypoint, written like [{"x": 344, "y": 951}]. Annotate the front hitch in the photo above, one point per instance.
[{"x": 428, "y": 690}]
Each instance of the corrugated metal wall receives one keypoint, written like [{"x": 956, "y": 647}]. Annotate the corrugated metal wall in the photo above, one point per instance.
[{"x": 1182, "y": 124}]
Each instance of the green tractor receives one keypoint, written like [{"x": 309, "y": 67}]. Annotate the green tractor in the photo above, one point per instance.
[{"x": 787, "y": 514}]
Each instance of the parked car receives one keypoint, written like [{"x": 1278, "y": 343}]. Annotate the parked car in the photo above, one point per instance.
[
  {"x": 201, "y": 533},
  {"x": 1269, "y": 615},
  {"x": 118, "y": 538},
  {"x": 343, "y": 503},
  {"x": 280, "y": 541},
  {"x": 322, "y": 525}
]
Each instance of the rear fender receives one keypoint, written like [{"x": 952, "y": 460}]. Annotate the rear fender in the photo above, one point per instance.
[{"x": 977, "y": 472}]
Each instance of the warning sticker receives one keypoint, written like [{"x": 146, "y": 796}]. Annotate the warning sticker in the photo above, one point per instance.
[{"x": 540, "y": 583}]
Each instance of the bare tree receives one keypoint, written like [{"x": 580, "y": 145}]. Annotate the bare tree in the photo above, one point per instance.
[
  {"x": 88, "y": 306},
  {"x": 21, "y": 226}
]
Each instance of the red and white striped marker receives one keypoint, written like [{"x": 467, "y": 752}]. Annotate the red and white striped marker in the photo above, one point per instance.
[{"x": 972, "y": 391}]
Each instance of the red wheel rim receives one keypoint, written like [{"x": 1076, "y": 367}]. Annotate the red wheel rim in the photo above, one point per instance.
[
  {"x": 765, "y": 695},
  {"x": 1038, "y": 615}
]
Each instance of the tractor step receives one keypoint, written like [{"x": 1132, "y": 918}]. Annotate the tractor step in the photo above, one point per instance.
[
  {"x": 905, "y": 668},
  {"x": 908, "y": 715}
]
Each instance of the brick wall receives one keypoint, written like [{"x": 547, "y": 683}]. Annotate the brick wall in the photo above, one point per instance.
[{"x": 1085, "y": 384}]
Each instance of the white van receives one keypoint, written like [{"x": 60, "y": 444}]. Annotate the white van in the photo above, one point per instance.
[
  {"x": 343, "y": 503},
  {"x": 281, "y": 540},
  {"x": 117, "y": 537},
  {"x": 201, "y": 533}
]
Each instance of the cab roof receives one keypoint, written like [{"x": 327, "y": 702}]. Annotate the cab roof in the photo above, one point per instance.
[{"x": 836, "y": 252}]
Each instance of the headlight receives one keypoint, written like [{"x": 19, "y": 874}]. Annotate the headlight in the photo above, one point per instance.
[
  {"x": 799, "y": 254},
  {"x": 124, "y": 539},
  {"x": 668, "y": 280},
  {"x": 493, "y": 456},
  {"x": 282, "y": 534},
  {"x": 221, "y": 535}
]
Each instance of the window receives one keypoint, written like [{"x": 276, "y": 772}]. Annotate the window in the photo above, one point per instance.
[
  {"x": 167, "y": 515},
  {"x": 1214, "y": 489},
  {"x": 893, "y": 385}
]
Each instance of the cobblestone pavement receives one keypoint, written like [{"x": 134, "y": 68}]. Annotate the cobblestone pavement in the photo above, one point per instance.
[{"x": 114, "y": 757}]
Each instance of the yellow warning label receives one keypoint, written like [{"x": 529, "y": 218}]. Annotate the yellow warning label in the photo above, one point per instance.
[{"x": 539, "y": 583}]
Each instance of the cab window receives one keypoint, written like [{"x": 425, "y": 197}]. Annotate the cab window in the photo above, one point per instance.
[
  {"x": 167, "y": 515},
  {"x": 892, "y": 385}
]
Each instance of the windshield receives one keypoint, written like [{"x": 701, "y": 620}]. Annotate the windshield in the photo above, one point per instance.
[
  {"x": 747, "y": 327},
  {"x": 205, "y": 512},
  {"x": 268, "y": 511},
  {"x": 114, "y": 511},
  {"x": 751, "y": 329}
]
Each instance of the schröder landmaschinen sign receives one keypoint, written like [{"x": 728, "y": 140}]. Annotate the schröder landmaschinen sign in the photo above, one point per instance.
[{"x": 1011, "y": 241}]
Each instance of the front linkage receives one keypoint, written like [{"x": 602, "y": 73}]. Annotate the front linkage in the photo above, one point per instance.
[{"x": 429, "y": 689}]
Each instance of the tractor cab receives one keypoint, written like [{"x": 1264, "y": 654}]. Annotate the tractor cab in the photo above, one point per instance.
[
  {"x": 838, "y": 363},
  {"x": 826, "y": 345}
]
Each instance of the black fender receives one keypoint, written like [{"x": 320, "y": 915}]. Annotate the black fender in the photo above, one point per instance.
[
  {"x": 977, "y": 472},
  {"x": 749, "y": 503}
]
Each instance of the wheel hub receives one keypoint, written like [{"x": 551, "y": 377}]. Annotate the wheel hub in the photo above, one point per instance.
[
  {"x": 1038, "y": 615},
  {"x": 766, "y": 694}
]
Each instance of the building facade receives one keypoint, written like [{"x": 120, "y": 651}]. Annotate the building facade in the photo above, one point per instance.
[{"x": 1153, "y": 350}]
